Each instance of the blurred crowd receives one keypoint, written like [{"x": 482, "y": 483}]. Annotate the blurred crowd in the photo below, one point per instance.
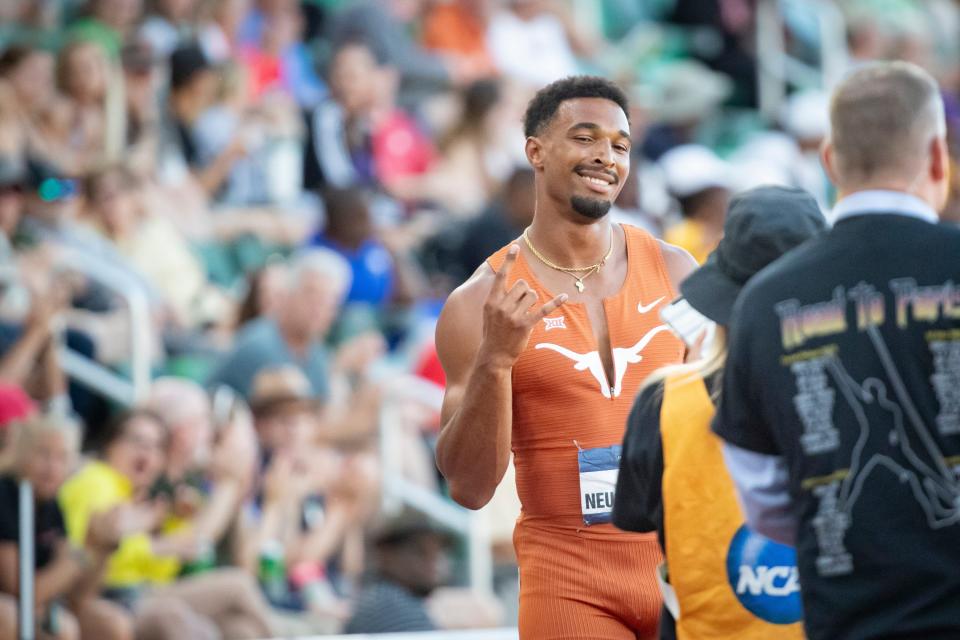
[{"x": 294, "y": 186}]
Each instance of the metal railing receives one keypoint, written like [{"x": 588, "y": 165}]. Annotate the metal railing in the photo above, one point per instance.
[
  {"x": 26, "y": 627},
  {"x": 398, "y": 490},
  {"x": 777, "y": 69},
  {"x": 93, "y": 374}
]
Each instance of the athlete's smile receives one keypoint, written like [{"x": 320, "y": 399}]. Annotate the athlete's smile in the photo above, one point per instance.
[{"x": 596, "y": 180}]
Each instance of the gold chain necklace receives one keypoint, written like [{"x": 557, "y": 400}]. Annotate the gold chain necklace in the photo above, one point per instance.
[{"x": 571, "y": 271}]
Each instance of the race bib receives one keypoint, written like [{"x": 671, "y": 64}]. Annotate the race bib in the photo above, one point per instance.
[{"x": 598, "y": 480}]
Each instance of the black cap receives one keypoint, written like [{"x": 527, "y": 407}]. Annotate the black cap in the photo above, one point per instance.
[
  {"x": 762, "y": 225},
  {"x": 185, "y": 63},
  {"x": 406, "y": 525}
]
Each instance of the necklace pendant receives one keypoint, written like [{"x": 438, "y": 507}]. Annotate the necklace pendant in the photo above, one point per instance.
[{"x": 579, "y": 286}]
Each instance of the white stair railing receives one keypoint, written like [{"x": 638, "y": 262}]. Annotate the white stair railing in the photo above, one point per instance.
[
  {"x": 399, "y": 491},
  {"x": 126, "y": 391},
  {"x": 777, "y": 69}
]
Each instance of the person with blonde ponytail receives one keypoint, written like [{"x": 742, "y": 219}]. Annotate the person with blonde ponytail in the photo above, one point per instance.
[{"x": 720, "y": 580}]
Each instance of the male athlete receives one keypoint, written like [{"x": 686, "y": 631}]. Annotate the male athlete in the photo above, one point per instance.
[{"x": 544, "y": 348}]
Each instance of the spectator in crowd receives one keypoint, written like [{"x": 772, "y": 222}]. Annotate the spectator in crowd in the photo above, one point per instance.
[
  {"x": 30, "y": 74},
  {"x": 220, "y": 31},
  {"x": 154, "y": 247},
  {"x": 383, "y": 27},
  {"x": 729, "y": 25},
  {"x": 141, "y": 574},
  {"x": 85, "y": 77},
  {"x": 337, "y": 151},
  {"x": 193, "y": 90},
  {"x": 168, "y": 25},
  {"x": 107, "y": 23},
  {"x": 501, "y": 223},
  {"x": 271, "y": 42},
  {"x": 316, "y": 495},
  {"x": 12, "y": 184},
  {"x": 349, "y": 231},
  {"x": 29, "y": 350},
  {"x": 318, "y": 280},
  {"x": 140, "y": 70},
  {"x": 410, "y": 562},
  {"x": 360, "y": 137},
  {"x": 671, "y": 466},
  {"x": 541, "y": 30},
  {"x": 53, "y": 208},
  {"x": 264, "y": 293},
  {"x": 837, "y": 423},
  {"x": 700, "y": 182},
  {"x": 475, "y": 155},
  {"x": 458, "y": 29},
  {"x": 15, "y": 406},
  {"x": 33, "y": 307},
  {"x": 210, "y": 463},
  {"x": 45, "y": 450},
  {"x": 682, "y": 97}
]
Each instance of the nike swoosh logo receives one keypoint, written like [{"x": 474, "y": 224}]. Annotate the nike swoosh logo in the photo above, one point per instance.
[{"x": 646, "y": 309}]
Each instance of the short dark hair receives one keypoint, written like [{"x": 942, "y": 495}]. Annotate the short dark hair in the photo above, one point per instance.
[
  {"x": 13, "y": 56},
  {"x": 185, "y": 63},
  {"x": 545, "y": 103},
  {"x": 116, "y": 427}
]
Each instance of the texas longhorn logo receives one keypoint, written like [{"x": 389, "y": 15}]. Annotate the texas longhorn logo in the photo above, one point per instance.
[{"x": 590, "y": 361}]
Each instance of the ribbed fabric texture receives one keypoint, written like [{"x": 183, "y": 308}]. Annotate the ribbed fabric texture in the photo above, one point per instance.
[
  {"x": 554, "y": 404},
  {"x": 574, "y": 587},
  {"x": 579, "y": 582}
]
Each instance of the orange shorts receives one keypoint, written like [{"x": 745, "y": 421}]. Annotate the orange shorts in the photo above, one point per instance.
[{"x": 577, "y": 585}]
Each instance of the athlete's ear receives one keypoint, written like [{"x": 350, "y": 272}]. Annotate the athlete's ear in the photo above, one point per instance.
[{"x": 534, "y": 151}]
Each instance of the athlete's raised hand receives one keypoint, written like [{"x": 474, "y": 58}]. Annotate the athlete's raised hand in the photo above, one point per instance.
[{"x": 509, "y": 316}]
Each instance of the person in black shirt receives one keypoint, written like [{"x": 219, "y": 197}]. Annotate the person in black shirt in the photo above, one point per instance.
[
  {"x": 410, "y": 563},
  {"x": 839, "y": 407},
  {"x": 46, "y": 448},
  {"x": 501, "y": 222}
]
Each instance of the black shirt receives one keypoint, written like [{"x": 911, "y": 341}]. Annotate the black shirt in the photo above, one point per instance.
[
  {"x": 384, "y": 607},
  {"x": 845, "y": 360},
  {"x": 638, "y": 500},
  {"x": 48, "y": 522}
]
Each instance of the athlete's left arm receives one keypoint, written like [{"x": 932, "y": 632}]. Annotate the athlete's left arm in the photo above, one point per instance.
[{"x": 679, "y": 263}]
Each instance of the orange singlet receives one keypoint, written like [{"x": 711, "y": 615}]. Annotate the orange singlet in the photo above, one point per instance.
[{"x": 579, "y": 581}]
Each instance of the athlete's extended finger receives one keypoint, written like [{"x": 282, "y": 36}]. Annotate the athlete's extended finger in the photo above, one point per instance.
[
  {"x": 500, "y": 280},
  {"x": 549, "y": 307}
]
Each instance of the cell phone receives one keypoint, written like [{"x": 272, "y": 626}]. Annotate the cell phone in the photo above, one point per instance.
[
  {"x": 225, "y": 403},
  {"x": 686, "y": 322}
]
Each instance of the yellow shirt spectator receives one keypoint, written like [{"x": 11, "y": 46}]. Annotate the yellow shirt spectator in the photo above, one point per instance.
[
  {"x": 97, "y": 487},
  {"x": 692, "y": 236}
]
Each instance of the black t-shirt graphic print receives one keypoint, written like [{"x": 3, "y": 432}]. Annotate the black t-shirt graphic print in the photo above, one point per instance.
[{"x": 845, "y": 360}]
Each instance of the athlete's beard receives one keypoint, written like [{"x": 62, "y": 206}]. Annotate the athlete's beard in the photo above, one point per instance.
[{"x": 592, "y": 208}]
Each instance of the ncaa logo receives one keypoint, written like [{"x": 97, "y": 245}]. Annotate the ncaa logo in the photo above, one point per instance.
[{"x": 763, "y": 576}]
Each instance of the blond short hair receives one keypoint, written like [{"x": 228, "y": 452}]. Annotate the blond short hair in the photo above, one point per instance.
[
  {"x": 883, "y": 118},
  {"x": 25, "y": 434}
]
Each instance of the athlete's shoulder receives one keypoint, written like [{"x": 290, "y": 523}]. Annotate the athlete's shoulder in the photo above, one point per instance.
[
  {"x": 460, "y": 325},
  {"x": 678, "y": 262},
  {"x": 474, "y": 289}
]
